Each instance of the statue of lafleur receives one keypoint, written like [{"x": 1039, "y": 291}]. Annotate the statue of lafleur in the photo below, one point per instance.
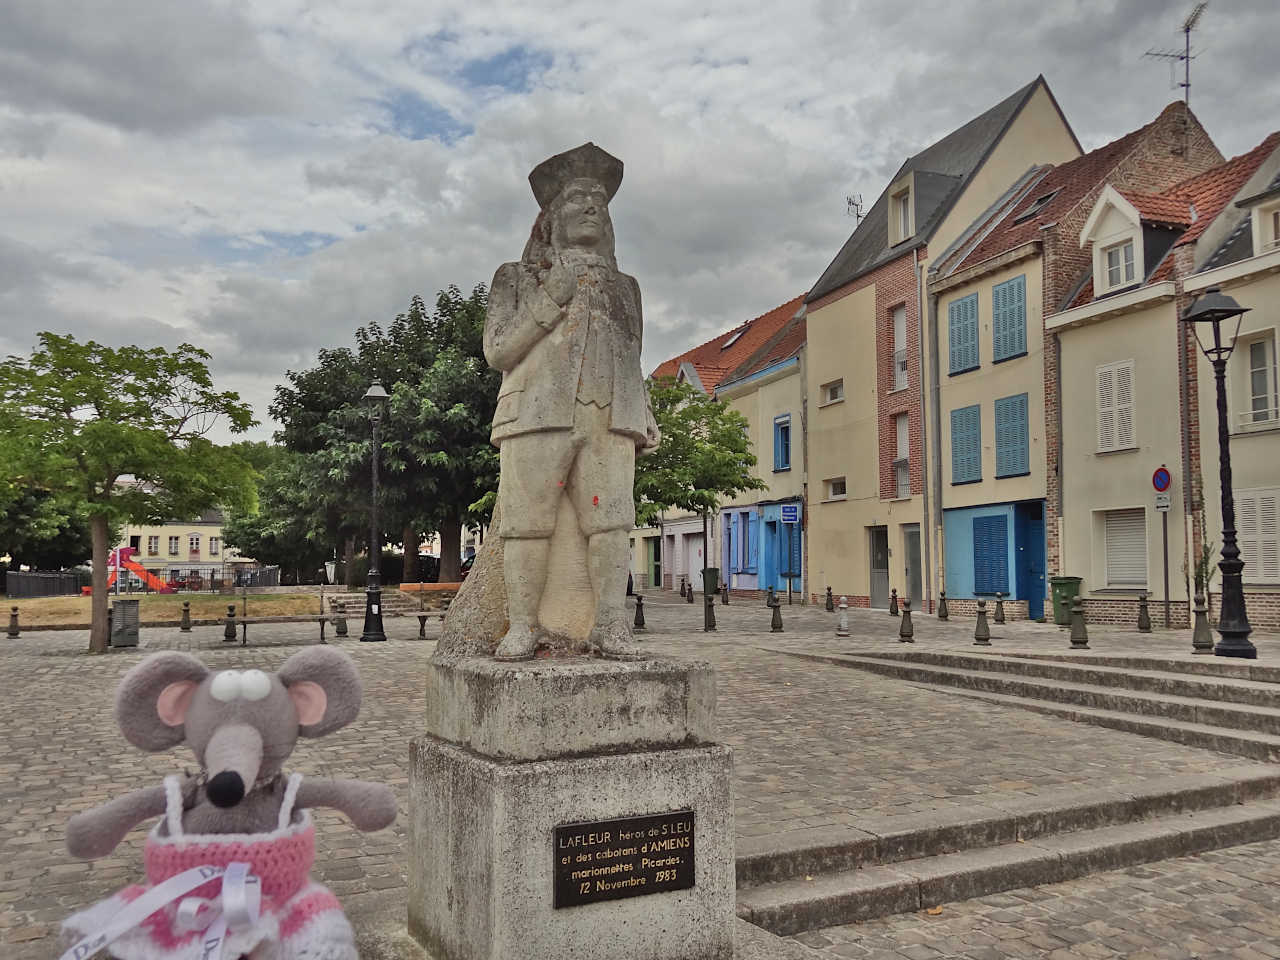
[{"x": 564, "y": 327}]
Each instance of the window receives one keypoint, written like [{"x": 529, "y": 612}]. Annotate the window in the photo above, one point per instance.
[
  {"x": 962, "y": 318},
  {"x": 991, "y": 554},
  {"x": 1275, "y": 228},
  {"x": 782, "y": 442},
  {"x": 835, "y": 488},
  {"x": 1261, "y": 400},
  {"x": 1258, "y": 517},
  {"x": 193, "y": 542},
  {"x": 1119, "y": 262},
  {"x": 1115, "y": 406},
  {"x": 902, "y": 465},
  {"x": 900, "y": 348},
  {"x": 1036, "y": 206},
  {"x": 153, "y": 546},
  {"x": 1013, "y": 458},
  {"x": 901, "y": 216},
  {"x": 833, "y": 392},
  {"x": 1126, "y": 547},
  {"x": 1009, "y": 319},
  {"x": 966, "y": 444},
  {"x": 215, "y": 544},
  {"x": 173, "y": 546}
]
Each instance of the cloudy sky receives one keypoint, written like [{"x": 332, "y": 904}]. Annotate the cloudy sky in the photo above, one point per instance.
[{"x": 261, "y": 177}]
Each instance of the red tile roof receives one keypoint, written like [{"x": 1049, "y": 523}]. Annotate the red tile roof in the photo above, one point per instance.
[
  {"x": 1168, "y": 207},
  {"x": 786, "y": 344},
  {"x": 1212, "y": 190},
  {"x": 714, "y": 359}
]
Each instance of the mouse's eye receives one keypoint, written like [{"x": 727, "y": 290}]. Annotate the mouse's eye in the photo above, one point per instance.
[
  {"x": 254, "y": 685},
  {"x": 226, "y": 686}
]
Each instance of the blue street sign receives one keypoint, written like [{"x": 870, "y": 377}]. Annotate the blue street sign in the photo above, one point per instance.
[
  {"x": 791, "y": 513},
  {"x": 1161, "y": 479}
]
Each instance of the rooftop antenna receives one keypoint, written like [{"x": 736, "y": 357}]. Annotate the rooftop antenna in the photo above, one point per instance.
[
  {"x": 853, "y": 207},
  {"x": 1186, "y": 56}
]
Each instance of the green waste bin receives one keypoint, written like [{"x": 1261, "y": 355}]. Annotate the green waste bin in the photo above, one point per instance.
[
  {"x": 710, "y": 579},
  {"x": 1065, "y": 590}
]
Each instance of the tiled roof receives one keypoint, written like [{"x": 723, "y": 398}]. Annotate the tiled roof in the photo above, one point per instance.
[
  {"x": 1214, "y": 189},
  {"x": 941, "y": 171},
  {"x": 1161, "y": 208},
  {"x": 786, "y": 343},
  {"x": 714, "y": 359},
  {"x": 1009, "y": 226}
]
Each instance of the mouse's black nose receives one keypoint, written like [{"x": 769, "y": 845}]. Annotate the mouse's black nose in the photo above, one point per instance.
[{"x": 226, "y": 789}]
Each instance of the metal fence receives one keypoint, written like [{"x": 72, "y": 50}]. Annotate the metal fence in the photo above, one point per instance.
[{"x": 44, "y": 583}]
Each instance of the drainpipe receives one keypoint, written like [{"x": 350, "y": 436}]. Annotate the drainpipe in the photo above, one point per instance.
[
  {"x": 1062, "y": 474},
  {"x": 927, "y": 532},
  {"x": 935, "y": 389}
]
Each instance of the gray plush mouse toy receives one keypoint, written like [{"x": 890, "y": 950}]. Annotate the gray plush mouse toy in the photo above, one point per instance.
[{"x": 228, "y": 864}]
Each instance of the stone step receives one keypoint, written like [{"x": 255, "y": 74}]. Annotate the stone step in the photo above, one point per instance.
[
  {"x": 849, "y": 896},
  {"x": 1190, "y": 710},
  {"x": 1202, "y": 666},
  {"x": 881, "y": 841},
  {"x": 1149, "y": 679}
]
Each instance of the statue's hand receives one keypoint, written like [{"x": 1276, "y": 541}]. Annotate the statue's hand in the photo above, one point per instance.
[
  {"x": 652, "y": 438},
  {"x": 560, "y": 284}
]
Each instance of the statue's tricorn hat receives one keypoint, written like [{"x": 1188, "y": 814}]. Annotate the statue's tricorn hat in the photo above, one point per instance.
[{"x": 551, "y": 175}]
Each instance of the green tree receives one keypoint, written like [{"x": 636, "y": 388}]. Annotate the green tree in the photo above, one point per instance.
[
  {"x": 123, "y": 432},
  {"x": 44, "y": 531},
  {"x": 705, "y": 455},
  {"x": 278, "y": 531}
]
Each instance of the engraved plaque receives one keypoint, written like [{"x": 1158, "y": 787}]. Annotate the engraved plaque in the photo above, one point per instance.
[{"x": 632, "y": 857}]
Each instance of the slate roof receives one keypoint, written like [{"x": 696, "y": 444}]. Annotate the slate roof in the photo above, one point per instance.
[
  {"x": 941, "y": 172},
  {"x": 716, "y": 358}
]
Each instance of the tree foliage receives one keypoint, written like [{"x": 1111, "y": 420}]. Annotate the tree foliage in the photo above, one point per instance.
[
  {"x": 705, "y": 454},
  {"x": 277, "y": 531},
  {"x": 81, "y": 417}
]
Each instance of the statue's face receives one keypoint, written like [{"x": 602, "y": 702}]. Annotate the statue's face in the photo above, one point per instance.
[{"x": 584, "y": 213}]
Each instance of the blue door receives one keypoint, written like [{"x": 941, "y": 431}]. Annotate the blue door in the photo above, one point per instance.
[
  {"x": 769, "y": 556},
  {"x": 1030, "y": 559}
]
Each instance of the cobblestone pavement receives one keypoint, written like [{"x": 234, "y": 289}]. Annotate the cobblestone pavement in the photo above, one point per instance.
[
  {"x": 815, "y": 745},
  {"x": 1216, "y": 904}
]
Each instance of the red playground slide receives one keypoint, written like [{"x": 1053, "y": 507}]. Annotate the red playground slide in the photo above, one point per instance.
[{"x": 123, "y": 557}]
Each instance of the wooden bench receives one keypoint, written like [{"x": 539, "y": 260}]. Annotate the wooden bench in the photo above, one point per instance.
[{"x": 337, "y": 620}]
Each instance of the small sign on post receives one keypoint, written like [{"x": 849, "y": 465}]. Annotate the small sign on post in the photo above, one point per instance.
[
  {"x": 1162, "y": 501},
  {"x": 791, "y": 513},
  {"x": 1162, "y": 480}
]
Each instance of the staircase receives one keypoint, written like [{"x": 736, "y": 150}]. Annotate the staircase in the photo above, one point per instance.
[
  {"x": 812, "y": 879},
  {"x": 394, "y": 604}
]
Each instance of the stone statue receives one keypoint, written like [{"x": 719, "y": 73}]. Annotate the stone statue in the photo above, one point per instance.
[{"x": 564, "y": 327}]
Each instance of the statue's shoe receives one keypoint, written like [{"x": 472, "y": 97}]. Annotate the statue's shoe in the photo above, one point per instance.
[
  {"x": 614, "y": 642},
  {"x": 519, "y": 644}
]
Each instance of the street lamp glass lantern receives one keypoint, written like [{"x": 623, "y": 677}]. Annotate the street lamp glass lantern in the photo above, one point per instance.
[
  {"x": 1213, "y": 308},
  {"x": 375, "y": 395}
]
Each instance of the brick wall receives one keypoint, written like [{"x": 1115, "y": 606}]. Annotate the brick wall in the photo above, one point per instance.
[
  {"x": 967, "y": 608},
  {"x": 854, "y": 601},
  {"x": 1123, "y": 612},
  {"x": 1263, "y": 609}
]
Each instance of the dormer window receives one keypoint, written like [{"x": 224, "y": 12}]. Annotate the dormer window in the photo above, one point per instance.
[
  {"x": 903, "y": 204},
  {"x": 1119, "y": 260},
  {"x": 901, "y": 210}
]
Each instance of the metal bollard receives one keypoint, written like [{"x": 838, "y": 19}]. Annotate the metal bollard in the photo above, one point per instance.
[
  {"x": 1144, "y": 615},
  {"x": 724, "y": 594},
  {"x": 982, "y": 632},
  {"x": 682, "y": 590},
  {"x": 639, "y": 623},
  {"x": 893, "y": 602},
  {"x": 831, "y": 603},
  {"x": 688, "y": 594},
  {"x": 13, "y": 622},
  {"x": 422, "y": 626},
  {"x": 842, "y": 628},
  {"x": 999, "y": 607},
  {"x": 709, "y": 614},
  {"x": 340, "y": 625},
  {"x": 630, "y": 585},
  {"x": 1201, "y": 638},
  {"x": 1079, "y": 634},
  {"x": 769, "y": 597},
  {"x": 185, "y": 626},
  {"x": 775, "y": 622},
  {"x": 229, "y": 631},
  {"x": 906, "y": 631},
  {"x": 942, "y": 606}
]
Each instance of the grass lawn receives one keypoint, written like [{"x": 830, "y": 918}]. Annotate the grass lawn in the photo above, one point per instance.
[{"x": 204, "y": 606}]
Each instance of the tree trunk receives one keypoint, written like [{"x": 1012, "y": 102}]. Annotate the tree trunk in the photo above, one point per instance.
[
  {"x": 451, "y": 550},
  {"x": 410, "y": 572},
  {"x": 349, "y": 562},
  {"x": 98, "y": 639}
]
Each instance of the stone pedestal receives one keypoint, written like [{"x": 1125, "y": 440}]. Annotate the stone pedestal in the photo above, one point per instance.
[{"x": 513, "y": 751}]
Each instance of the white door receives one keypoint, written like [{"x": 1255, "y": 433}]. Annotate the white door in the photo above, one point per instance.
[{"x": 693, "y": 559}]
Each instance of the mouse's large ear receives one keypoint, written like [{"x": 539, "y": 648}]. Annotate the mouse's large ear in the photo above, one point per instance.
[
  {"x": 153, "y": 697},
  {"x": 324, "y": 685}
]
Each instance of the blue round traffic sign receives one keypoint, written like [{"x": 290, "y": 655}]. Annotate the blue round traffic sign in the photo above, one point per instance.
[{"x": 1161, "y": 479}]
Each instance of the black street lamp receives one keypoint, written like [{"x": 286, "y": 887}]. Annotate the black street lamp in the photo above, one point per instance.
[
  {"x": 374, "y": 397},
  {"x": 1233, "y": 623}
]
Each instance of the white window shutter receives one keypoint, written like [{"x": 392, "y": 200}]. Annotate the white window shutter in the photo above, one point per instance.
[
  {"x": 1126, "y": 547},
  {"x": 1124, "y": 405},
  {"x": 1106, "y": 409},
  {"x": 1258, "y": 534}
]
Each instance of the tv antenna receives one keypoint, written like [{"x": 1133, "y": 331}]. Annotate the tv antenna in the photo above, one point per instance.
[
  {"x": 853, "y": 207},
  {"x": 1185, "y": 55}
]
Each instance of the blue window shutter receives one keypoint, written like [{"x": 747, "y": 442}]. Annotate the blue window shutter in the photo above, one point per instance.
[
  {"x": 753, "y": 542},
  {"x": 966, "y": 444},
  {"x": 782, "y": 443},
  {"x": 991, "y": 554},
  {"x": 777, "y": 444},
  {"x": 1012, "y": 436},
  {"x": 735, "y": 543},
  {"x": 962, "y": 319},
  {"x": 794, "y": 538},
  {"x": 1009, "y": 318}
]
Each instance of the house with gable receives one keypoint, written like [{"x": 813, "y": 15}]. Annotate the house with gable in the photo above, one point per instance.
[
  {"x": 675, "y": 550},
  {"x": 993, "y": 388},
  {"x": 868, "y": 498},
  {"x": 1136, "y": 394}
]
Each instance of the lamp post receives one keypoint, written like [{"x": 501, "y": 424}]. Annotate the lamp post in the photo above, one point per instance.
[
  {"x": 374, "y": 397},
  {"x": 1233, "y": 623}
]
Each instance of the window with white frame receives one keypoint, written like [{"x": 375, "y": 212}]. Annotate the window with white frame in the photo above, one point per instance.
[
  {"x": 900, "y": 348},
  {"x": 1118, "y": 260},
  {"x": 1261, "y": 402},
  {"x": 153, "y": 546},
  {"x": 173, "y": 546},
  {"x": 1258, "y": 520},
  {"x": 902, "y": 210},
  {"x": 215, "y": 546},
  {"x": 1125, "y": 543},
  {"x": 1115, "y": 406},
  {"x": 902, "y": 464},
  {"x": 833, "y": 392},
  {"x": 193, "y": 542},
  {"x": 835, "y": 488}
]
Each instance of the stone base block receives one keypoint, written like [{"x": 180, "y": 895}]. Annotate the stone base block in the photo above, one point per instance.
[{"x": 482, "y": 858}]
